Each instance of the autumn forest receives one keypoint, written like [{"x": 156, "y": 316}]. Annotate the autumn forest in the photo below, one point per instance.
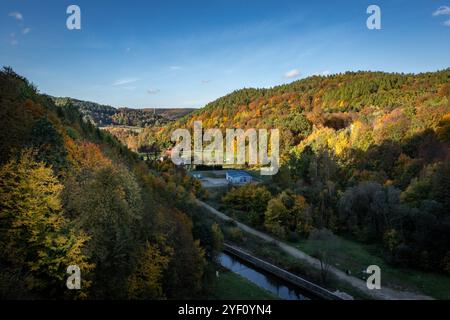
[{"x": 364, "y": 157}]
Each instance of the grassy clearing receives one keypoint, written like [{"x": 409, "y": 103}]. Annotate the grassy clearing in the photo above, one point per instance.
[
  {"x": 357, "y": 257},
  {"x": 231, "y": 286}
]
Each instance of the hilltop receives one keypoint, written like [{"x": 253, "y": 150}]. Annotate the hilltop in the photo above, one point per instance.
[
  {"x": 105, "y": 115},
  {"x": 334, "y": 101}
]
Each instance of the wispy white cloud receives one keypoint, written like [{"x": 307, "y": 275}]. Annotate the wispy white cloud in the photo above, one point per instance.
[
  {"x": 443, "y": 10},
  {"x": 12, "y": 37},
  {"x": 153, "y": 91},
  {"x": 326, "y": 72},
  {"x": 124, "y": 81},
  {"x": 13, "y": 40},
  {"x": 294, "y": 73},
  {"x": 16, "y": 15}
]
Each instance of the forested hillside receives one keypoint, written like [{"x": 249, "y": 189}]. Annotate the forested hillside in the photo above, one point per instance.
[
  {"x": 365, "y": 155},
  {"x": 71, "y": 194},
  {"x": 334, "y": 102}
]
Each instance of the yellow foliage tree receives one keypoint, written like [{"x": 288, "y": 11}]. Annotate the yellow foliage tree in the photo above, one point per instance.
[
  {"x": 146, "y": 280},
  {"x": 36, "y": 241}
]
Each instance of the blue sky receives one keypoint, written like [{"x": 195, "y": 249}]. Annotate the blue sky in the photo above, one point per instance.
[{"x": 187, "y": 53}]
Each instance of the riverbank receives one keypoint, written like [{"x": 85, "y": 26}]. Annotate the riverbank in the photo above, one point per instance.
[{"x": 231, "y": 286}]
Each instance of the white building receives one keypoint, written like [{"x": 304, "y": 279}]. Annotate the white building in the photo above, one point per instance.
[{"x": 238, "y": 177}]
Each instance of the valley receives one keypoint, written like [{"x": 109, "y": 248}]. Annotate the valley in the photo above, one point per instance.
[
  {"x": 220, "y": 159},
  {"x": 364, "y": 164}
]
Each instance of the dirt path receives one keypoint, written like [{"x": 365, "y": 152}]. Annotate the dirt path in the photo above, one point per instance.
[{"x": 383, "y": 294}]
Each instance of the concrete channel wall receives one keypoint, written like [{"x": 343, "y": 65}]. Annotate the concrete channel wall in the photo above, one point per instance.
[{"x": 303, "y": 284}]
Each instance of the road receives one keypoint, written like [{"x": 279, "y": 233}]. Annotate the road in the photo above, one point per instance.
[{"x": 384, "y": 293}]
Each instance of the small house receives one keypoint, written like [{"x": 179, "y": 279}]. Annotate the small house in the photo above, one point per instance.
[{"x": 238, "y": 177}]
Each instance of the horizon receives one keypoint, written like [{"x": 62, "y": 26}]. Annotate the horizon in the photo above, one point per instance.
[
  {"x": 185, "y": 55},
  {"x": 261, "y": 88}
]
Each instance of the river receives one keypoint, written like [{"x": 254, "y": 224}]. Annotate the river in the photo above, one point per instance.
[{"x": 279, "y": 287}]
